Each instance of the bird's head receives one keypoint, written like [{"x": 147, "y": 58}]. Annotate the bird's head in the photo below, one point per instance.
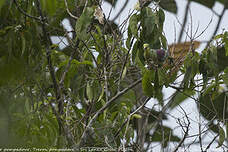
[{"x": 161, "y": 55}]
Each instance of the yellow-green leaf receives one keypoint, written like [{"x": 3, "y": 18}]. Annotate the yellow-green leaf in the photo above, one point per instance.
[
  {"x": 89, "y": 91},
  {"x": 83, "y": 23},
  {"x": 1, "y": 3},
  {"x": 133, "y": 22},
  {"x": 124, "y": 73},
  {"x": 137, "y": 116},
  {"x": 147, "y": 85},
  {"x": 221, "y": 137}
]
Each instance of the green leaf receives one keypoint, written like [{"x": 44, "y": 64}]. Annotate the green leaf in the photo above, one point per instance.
[
  {"x": 180, "y": 97},
  {"x": 156, "y": 80},
  {"x": 161, "y": 16},
  {"x": 133, "y": 25},
  {"x": 101, "y": 95},
  {"x": 208, "y": 3},
  {"x": 51, "y": 6},
  {"x": 221, "y": 137},
  {"x": 225, "y": 76},
  {"x": 225, "y": 39},
  {"x": 226, "y": 129},
  {"x": 137, "y": 116},
  {"x": 89, "y": 91},
  {"x": 169, "y": 5},
  {"x": 162, "y": 134},
  {"x": 187, "y": 76},
  {"x": 154, "y": 115},
  {"x": 211, "y": 107},
  {"x": 222, "y": 58},
  {"x": 224, "y": 2},
  {"x": 161, "y": 19},
  {"x": 134, "y": 51},
  {"x": 128, "y": 100},
  {"x": 148, "y": 87},
  {"x": 164, "y": 41},
  {"x": 158, "y": 87},
  {"x": 140, "y": 53},
  {"x": 213, "y": 127},
  {"x": 148, "y": 24},
  {"x": 112, "y": 2},
  {"x": 83, "y": 23},
  {"x": 27, "y": 106},
  {"x": 1, "y": 3},
  {"x": 129, "y": 37},
  {"x": 23, "y": 44},
  {"x": 219, "y": 36},
  {"x": 12, "y": 70},
  {"x": 82, "y": 63},
  {"x": 124, "y": 73}
]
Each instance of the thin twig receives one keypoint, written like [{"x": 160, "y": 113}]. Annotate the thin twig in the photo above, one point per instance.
[
  {"x": 125, "y": 62},
  {"x": 48, "y": 53},
  {"x": 121, "y": 10},
  {"x": 51, "y": 68},
  {"x": 184, "y": 22},
  {"x": 205, "y": 28},
  {"x": 68, "y": 11},
  {"x": 186, "y": 132},
  {"x": 26, "y": 14},
  {"x": 106, "y": 83},
  {"x": 107, "y": 104},
  {"x": 128, "y": 118},
  {"x": 91, "y": 53},
  {"x": 209, "y": 145},
  {"x": 68, "y": 65},
  {"x": 217, "y": 27},
  {"x": 200, "y": 136},
  {"x": 124, "y": 23}
]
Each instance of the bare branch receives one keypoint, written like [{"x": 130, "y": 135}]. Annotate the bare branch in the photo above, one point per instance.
[
  {"x": 218, "y": 24},
  {"x": 209, "y": 145},
  {"x": 121, "y": 10},
  {"x": 204, "y": 29},
  {"x": 185, "y": 132},
  {"x": 184, "y": 22}
]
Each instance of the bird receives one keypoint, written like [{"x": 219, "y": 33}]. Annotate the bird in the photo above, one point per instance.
[{"x": 154, "y": 57}]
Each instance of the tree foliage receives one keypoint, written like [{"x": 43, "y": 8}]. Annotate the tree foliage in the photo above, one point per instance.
[{"x": 93, "y": 91}]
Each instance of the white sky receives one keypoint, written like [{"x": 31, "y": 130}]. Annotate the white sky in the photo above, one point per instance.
[{"x": 200, "y": 16}]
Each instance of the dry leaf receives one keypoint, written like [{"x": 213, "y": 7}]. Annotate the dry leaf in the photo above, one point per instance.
[
  {"x": 99, "y": 15},
  {"x": 178, "y": 52}
]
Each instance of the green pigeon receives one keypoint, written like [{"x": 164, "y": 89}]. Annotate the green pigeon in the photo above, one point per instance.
[{"x": 154, "y": 56}]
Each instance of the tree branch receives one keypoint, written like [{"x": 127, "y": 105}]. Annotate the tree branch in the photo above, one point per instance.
[
  {"x": 217, "y": 27},
  {"x": 68, "y": 11},
  {"x": 50, "y": 66},
  {"x": 24, "y": 13},
  {"x": 128, "y": 118},
  {"x": 105, "y": 107},
  {"x": 184, "y": 22},
  {"x": 68, "y": 65},
  {"x": 121, "y": 10},
  {"x": 209, "y": 145},
  {"x": 185, "y": 132}
]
